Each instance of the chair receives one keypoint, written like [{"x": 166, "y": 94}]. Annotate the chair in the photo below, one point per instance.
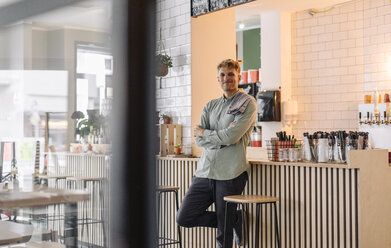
[
  {"x": 244, "y": 201},
  {"x": 164, "y": 190}
]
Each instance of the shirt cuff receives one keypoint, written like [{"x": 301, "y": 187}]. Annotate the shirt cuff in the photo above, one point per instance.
[{"x": 206, "y": 133}]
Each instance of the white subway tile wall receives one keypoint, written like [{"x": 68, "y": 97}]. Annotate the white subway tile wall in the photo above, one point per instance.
[
  {"x": 174, "y": 95},
  {"x": 336, "y": 57}
]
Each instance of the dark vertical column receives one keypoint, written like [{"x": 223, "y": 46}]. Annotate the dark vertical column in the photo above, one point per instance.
[
  {"x": 310, "y": 205},
  {"x": 316, "y": 207},
  {"x": 305, "y": 206},
  {"x": 299, "y": 201},
  {"x": 327, "y": 207},
  {"x": 356, "y": 182},
  {"x": 133, "y": 171},
  {"x": 70, "y": 225},
  {"x": 279, "y": 196},
  {"x": 332, "y": 206}
]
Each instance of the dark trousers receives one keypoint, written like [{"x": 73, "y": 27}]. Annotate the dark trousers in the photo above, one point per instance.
[{"x": 201, "y": 194}]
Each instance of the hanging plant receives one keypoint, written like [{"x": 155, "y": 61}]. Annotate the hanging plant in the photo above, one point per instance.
[{"x": 163, "y": 62}]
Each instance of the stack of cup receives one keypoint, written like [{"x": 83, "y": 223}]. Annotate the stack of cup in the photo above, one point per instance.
[
  {"x": 253, "y": 76},
  {"x": 244, "y": 77}
]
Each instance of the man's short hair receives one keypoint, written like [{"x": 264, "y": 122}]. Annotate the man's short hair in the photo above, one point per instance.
[{"x": 229, "y": 63}]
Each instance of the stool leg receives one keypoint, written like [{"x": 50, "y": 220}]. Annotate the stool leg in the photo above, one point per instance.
[
  {"x": 225, "y": 221},
  {"x": 179, "y": 228},
  {"x": 245, "y": 207},
  {"x": 164, "y": 216},
  {"x": 257, "y": 209},
  {"x": 101, "y": 196},
  {"x": 91, "y": 209},
  {"x": 158, "y": 216},
  {"x": 277, "y": 235}
]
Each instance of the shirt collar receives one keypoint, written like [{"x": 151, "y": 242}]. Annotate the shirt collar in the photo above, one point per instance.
[{"x": 229, "y": 99}]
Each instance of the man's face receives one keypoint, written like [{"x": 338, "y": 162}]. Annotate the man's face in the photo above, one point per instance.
[{"x": 229, "y": 79}]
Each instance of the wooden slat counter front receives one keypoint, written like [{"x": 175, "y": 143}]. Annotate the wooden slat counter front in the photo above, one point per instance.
[{"x": 321, "y": 205}]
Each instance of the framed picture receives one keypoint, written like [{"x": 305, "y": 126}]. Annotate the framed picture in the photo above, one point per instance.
[
  {"x": 236, "y": 2},
  {"x": 218, "y": 4},
  {"x": 199, "y": 7}
]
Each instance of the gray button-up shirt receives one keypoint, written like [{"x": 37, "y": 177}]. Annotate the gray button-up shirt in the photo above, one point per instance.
[{"x": 225, "y": 145}]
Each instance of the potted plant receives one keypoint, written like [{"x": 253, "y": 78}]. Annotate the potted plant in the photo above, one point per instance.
[
  {"x": 178, "y": 149},
  {"x": 163, "y": 62},
  {"x": 166, "y": 118},
  {"x": 84, "y": 125}
]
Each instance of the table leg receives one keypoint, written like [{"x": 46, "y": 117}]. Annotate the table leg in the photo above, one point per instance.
[{"x": 70, "y": 225}]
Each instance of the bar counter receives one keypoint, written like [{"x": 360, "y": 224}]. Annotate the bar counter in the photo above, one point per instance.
[{"x": 321, "y": 204}]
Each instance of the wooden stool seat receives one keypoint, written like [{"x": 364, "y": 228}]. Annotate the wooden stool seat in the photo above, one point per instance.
[
  {"x": 245, "y": 201},
  {"x": 52, "y": 176},
  {"x": 86, "y": 179},
  {"x": 166, "y": 188},
  {"x": 251, "y": 198}
]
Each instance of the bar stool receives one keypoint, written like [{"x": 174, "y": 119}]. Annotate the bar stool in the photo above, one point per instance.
[
  {"x": 165, "y": 190},
  {"x": 44, "y": 179},
  {"x": 95, "y": 181},
  {"x": 244, "y": 201}
]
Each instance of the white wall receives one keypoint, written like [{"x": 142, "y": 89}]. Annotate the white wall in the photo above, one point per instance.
[
  {"x": 328, "y": 67},
  {"x": 276, "y": 62},
  {"x": 174, "y": 97}
]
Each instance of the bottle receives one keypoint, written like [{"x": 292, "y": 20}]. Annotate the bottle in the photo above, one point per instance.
[
  {"x": 100, "y": 138},
  {"x": 15, "y": 183},
  {"x": 95, "y": 138},
  {"x": 256, "y": 140},
  {"x": 91, "y": 136}
]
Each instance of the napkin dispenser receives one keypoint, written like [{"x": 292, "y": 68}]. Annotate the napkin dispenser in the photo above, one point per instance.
[{"x": 268, "y": 104}]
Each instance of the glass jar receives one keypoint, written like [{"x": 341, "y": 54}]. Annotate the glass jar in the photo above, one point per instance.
[
  {"x": 282, "y": 154},
  {"x": 292, "y": 155}
]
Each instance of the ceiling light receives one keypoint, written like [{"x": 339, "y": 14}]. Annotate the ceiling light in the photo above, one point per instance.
[{"x": 241, "y": 25}]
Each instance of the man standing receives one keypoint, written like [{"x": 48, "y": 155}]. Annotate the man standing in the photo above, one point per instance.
[{"x": 224, "y": 133}]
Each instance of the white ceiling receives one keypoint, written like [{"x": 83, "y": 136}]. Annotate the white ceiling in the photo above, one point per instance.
[
  {"x": 90, "y": 14},
  {"x": 249, "y": 13},
  {"x": 96, "y": 14}
]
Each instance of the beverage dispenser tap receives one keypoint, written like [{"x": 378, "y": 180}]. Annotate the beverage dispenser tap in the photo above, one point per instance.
[
  {"x": 367, "y": 119},
  {"x": 377, "y": 118},
  {"x": 384, "y": 121},
  {"x": 386, "y": 118},
  {"x": 359, "y": 118}
]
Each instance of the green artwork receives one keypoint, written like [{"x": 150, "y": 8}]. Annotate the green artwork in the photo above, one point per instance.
[
  {"x": 27, "y": 151},
  {"x": 252, "y": 49}
]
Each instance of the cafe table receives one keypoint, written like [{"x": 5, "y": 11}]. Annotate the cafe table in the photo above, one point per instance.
[{"x": 39, "y": 196}]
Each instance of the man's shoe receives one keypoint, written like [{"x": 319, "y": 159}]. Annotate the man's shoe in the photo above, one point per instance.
[{"x": 240, "y": 229}]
